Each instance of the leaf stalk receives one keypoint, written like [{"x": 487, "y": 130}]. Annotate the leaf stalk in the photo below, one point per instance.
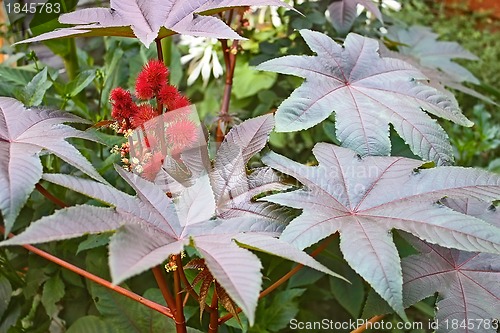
[
  {"x": 180, "y": 320},
  {"x": 127, "y": 293},
  {"x": 214, "y": 315}
]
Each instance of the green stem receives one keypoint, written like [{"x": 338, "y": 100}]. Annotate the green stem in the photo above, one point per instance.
[
  {"x": 73, "y": 69},
  {"x": 71, "y": 60}
]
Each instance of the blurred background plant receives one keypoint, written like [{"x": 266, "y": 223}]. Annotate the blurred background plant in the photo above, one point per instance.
[{"x": 79, "y": 75}]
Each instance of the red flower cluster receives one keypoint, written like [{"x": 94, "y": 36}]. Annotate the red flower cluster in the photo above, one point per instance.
[
  {"x": 168, "y": 133},
  {"x": 151, "y": 83}
]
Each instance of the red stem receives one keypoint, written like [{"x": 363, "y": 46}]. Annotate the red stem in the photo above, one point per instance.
[
  {"x": 230, "y": 54},
  {"x": 157, "y": 271},
  {"x": 214, "y": 315},
  {"x": 49, "y": 196},
  {"x": 127, "y": 293},
  {"x": 162, "y": 284},
  {"x": 180, "y": 320},
  {"x": 285, "y": 277}
]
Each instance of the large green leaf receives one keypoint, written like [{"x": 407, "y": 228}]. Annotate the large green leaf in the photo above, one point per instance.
[
  {"x": 91, "y": 324},
  {"x": 53, "y": 292},
  {"x": 248, "y": 81},
  {"x": 82, "y": 80},
  {"x": 5, "y": 294},
  {"x": 276, "y": 315},
  {"x": 33, "y": 93}
]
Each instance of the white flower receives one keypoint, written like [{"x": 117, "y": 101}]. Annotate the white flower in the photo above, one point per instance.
[
  {"x": 202, "y": 58},
  {"x": 261, "y": 15},
  {"x": 392, "y": 4}
]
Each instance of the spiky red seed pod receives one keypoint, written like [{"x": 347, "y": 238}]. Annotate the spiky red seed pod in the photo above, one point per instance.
[
  {"x": 181, "y": 135},
  {"x": 123, "y": 105},
  {"x": 151, "y": 79},
  {"x": 171, "y": 98},
  {"x": 179, "y": 102},
  {"x": 145, "y": 113},
  {"x": 168, "y": 93}
]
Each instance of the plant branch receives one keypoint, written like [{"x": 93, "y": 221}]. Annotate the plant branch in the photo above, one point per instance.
[
  {"x": 162, "y": 284},
  {"x": 159, "y": 50},
  {"x": 214, "y": 315},
  {"x": 50, "y": 196},
  {"x": 230, "y": 53},
  {"x": 363, "y": 327},
  {"x": 285, "y": 277},
  {"x": 180, "y": 320},
  {"x": 127, "y": 293},
  {"x": 160, "y": 278}
]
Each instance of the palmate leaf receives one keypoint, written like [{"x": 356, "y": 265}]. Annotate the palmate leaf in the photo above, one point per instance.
[
  {"x": 365, "y": 198},
  {"x": 468, "y": 283},
  {"x": 367, "y": 93},
  {"x": 149, "y": 19},
  {"x": 419, "y": 47},
  {"x": 422, "y": 44},
  {"x": 24, "y": 133},
  {"x": 151, "y": 226},
  {"x": 343, "y": 13},
  {"x": 233, "y": 188}
]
